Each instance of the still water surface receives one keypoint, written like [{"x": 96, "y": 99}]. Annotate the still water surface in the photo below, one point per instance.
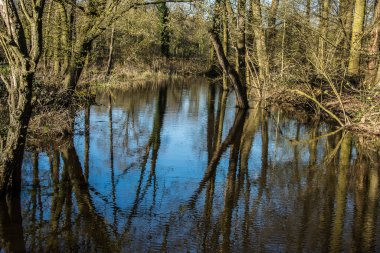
[{"x": 174, "y": 167}]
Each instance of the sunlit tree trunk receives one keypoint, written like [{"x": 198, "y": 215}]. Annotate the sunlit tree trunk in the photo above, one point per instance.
[
  {"x": 345, "y": 18},
  {"x": 323, "y": 27},
  {"x": 261, "y": 48},
  {"x": 356, "y": 38},
  {"x": 271, "y": 38},
  {"x": 374, "y": 47}
]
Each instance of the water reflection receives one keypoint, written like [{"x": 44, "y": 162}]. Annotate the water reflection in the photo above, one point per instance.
[{"x": 176, "y": 167}]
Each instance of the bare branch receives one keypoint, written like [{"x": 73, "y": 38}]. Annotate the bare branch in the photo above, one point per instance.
[{"x": 25, "y": 11}]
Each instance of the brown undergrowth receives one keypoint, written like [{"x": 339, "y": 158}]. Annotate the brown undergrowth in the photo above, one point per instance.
[
  {"x": 53, "y": 115},
  {"x": 355, "y": 110}
]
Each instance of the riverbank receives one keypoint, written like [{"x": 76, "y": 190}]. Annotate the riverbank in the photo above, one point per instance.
[{"x": 352, "y": 109}]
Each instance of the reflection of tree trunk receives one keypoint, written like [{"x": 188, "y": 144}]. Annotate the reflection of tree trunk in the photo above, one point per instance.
[
  {"x": 296, "y": 156},
  {"x": 359, "y": 199},
  {"x": 11, "y": 230},
  {"x": 230, "y": 198},
  {"x": 94, "y": 224},
  {"x": 234, "y": 132},
  {"x": 155, "y": 138},
  {"x": 58, "y": 199},
  {"x": 264, "y": 150},
  {"x": 210, "y": 120},
  {"x": 340, "y": 194},
  {"x": 87, "y": 142},
  {"x": 212, "y": 144},
  {"x": 249, "y": 130},
  {"x": 154, "y": 144},
  {"x": 68, "y": 209},
  {"x": 264, "y": 163},
  {"x": 35, "y": 188},
  {"x": 112, "y": 161},
  {"x": 208, "y": 213},
  {"x": 307, "y": 197},
  {"x": 220, "y": 118},
  {"x": 368, "y": 231}
]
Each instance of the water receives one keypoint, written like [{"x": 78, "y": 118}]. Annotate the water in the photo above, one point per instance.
[{"x": 174, "y": 167}]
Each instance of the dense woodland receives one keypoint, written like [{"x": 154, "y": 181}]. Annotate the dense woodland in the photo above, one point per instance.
[{"x": 323, "y": 54}]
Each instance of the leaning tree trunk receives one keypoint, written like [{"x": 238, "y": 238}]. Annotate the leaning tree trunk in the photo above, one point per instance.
[
  {"x": 239, "y": 88},
  {"x": 77, "y": 64}
]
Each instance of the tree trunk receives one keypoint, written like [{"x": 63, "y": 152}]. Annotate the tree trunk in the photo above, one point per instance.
[
  {"x": 110, "y": 52},
  {"x": 356, "y": 38},
  {"x": 272, "y": 29},
  {"x": 241, "y": 49},
  {"x": 77, "y": 64},
  {"x": 163, "y": 12},
  {"x": 23, "y": 62},
  {"x": 19, "y": 115},
  {"x": 239, "y": 88},
  {"x": 345, "y": 15},
  {"x": 323, "y": 29},
  {"x": 64, "y": 38},
  {"x": 374, "y": 46},
  {"x": 225, "y": 40},
  {"x": 57, "y": 41},
  {"x": 262, "y": 55}
]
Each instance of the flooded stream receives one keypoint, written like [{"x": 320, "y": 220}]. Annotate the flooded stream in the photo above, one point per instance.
[{"x": 175, "y": 167}]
